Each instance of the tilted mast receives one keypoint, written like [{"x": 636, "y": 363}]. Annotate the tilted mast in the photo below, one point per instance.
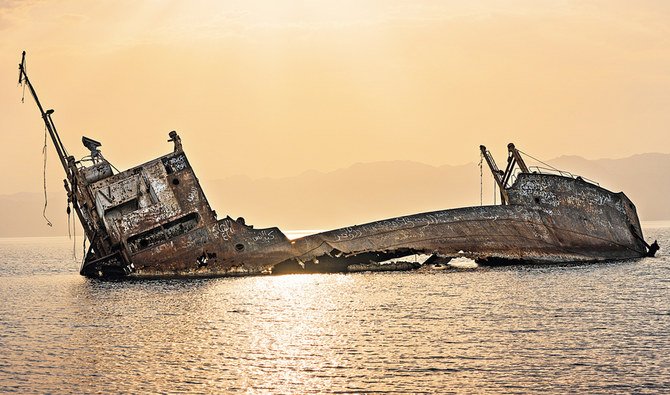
[
  {"x": 74, "y": 184},
  {"x": 46, "y": 116}
]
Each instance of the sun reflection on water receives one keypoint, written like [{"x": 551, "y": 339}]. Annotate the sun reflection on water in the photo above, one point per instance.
[
  {"x": 584, "y": 328},
  {"x": 299, "y": 339}
]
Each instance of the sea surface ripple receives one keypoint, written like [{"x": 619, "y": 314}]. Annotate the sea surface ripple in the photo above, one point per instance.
[{"x": 567, "y": 328}]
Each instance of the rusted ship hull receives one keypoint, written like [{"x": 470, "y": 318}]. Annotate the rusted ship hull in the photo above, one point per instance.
[
  {"x": 154, "y": 220},
  {"x": 551, "y": 219}
]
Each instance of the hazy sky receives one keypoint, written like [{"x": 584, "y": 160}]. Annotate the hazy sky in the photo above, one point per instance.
[{"x": 279, "y": 87}]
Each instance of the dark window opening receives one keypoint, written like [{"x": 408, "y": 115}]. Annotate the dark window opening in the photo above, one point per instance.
[
  {"x": 163, "y": 233},
  {"x": 122, "y": 209}
]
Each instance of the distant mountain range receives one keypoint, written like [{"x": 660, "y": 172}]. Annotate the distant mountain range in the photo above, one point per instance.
[{"x": 367, "y": 191}]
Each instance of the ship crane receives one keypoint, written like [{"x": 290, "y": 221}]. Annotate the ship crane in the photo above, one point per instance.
[{"x": 503, "y": 178}]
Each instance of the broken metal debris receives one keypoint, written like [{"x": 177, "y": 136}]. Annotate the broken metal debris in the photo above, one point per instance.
[{"x": 154, "y": 220}]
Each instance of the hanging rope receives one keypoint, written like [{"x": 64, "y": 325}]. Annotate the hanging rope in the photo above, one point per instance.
[
  {"x": 69, "y": 235},
  {"x": 74, "y": 237},
  {"x": 44, "y": 178},
  {"x": 494, "y": 192}
]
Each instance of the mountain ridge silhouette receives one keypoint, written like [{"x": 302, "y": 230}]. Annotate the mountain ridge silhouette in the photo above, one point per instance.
[{"x": 366, "y": 191}]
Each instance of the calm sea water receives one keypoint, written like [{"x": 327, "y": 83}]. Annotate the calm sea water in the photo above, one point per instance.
[{"x": 564, "y": 329}]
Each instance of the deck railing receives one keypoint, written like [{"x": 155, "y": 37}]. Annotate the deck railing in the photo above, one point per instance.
[{"x": 546, "y": 170}]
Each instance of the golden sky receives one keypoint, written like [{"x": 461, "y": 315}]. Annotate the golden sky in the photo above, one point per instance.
[{"x": 272, "y": 88}]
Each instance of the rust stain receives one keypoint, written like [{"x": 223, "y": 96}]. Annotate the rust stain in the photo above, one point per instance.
[{"x": 154, "y": 220}]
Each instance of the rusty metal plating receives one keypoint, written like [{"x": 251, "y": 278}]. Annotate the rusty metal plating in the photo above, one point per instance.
[{"x": 154, "y": 220}]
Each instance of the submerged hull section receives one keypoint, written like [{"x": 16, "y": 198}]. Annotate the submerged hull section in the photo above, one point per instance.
[
  {"x": 551, "y": 219},
  {"x": 158, "y": 223}
]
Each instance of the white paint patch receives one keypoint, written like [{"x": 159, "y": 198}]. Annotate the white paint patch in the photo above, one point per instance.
[
  {"x": 463, "y": 263},
  {"x": 159, "y": 186},
  {"x": 415, "y": 258},
  {"x": 192, "y": 195}
]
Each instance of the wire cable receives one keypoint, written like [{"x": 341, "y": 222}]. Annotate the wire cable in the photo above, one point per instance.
[
  {"x": 69, "y": 235},
  {"x": 74, "y": 237},
  {"x": 44, "y": 178},
  {"x": 544, "y": 163}
]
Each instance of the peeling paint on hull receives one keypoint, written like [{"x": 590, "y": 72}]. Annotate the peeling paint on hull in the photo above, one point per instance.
[
  {"x": 154, "y": 220},
  {"x": 598, "y": 226},
  {"x": 157, "y": 218},
  {"x": 550, "y": 219}
]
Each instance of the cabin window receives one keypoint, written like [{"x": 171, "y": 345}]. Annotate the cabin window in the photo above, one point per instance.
[
  {"x": 163, "y": 233},
  {"x": 122, "y": 209}
]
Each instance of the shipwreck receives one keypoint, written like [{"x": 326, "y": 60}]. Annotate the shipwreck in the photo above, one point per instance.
[{"x": 154, "y": 220}]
